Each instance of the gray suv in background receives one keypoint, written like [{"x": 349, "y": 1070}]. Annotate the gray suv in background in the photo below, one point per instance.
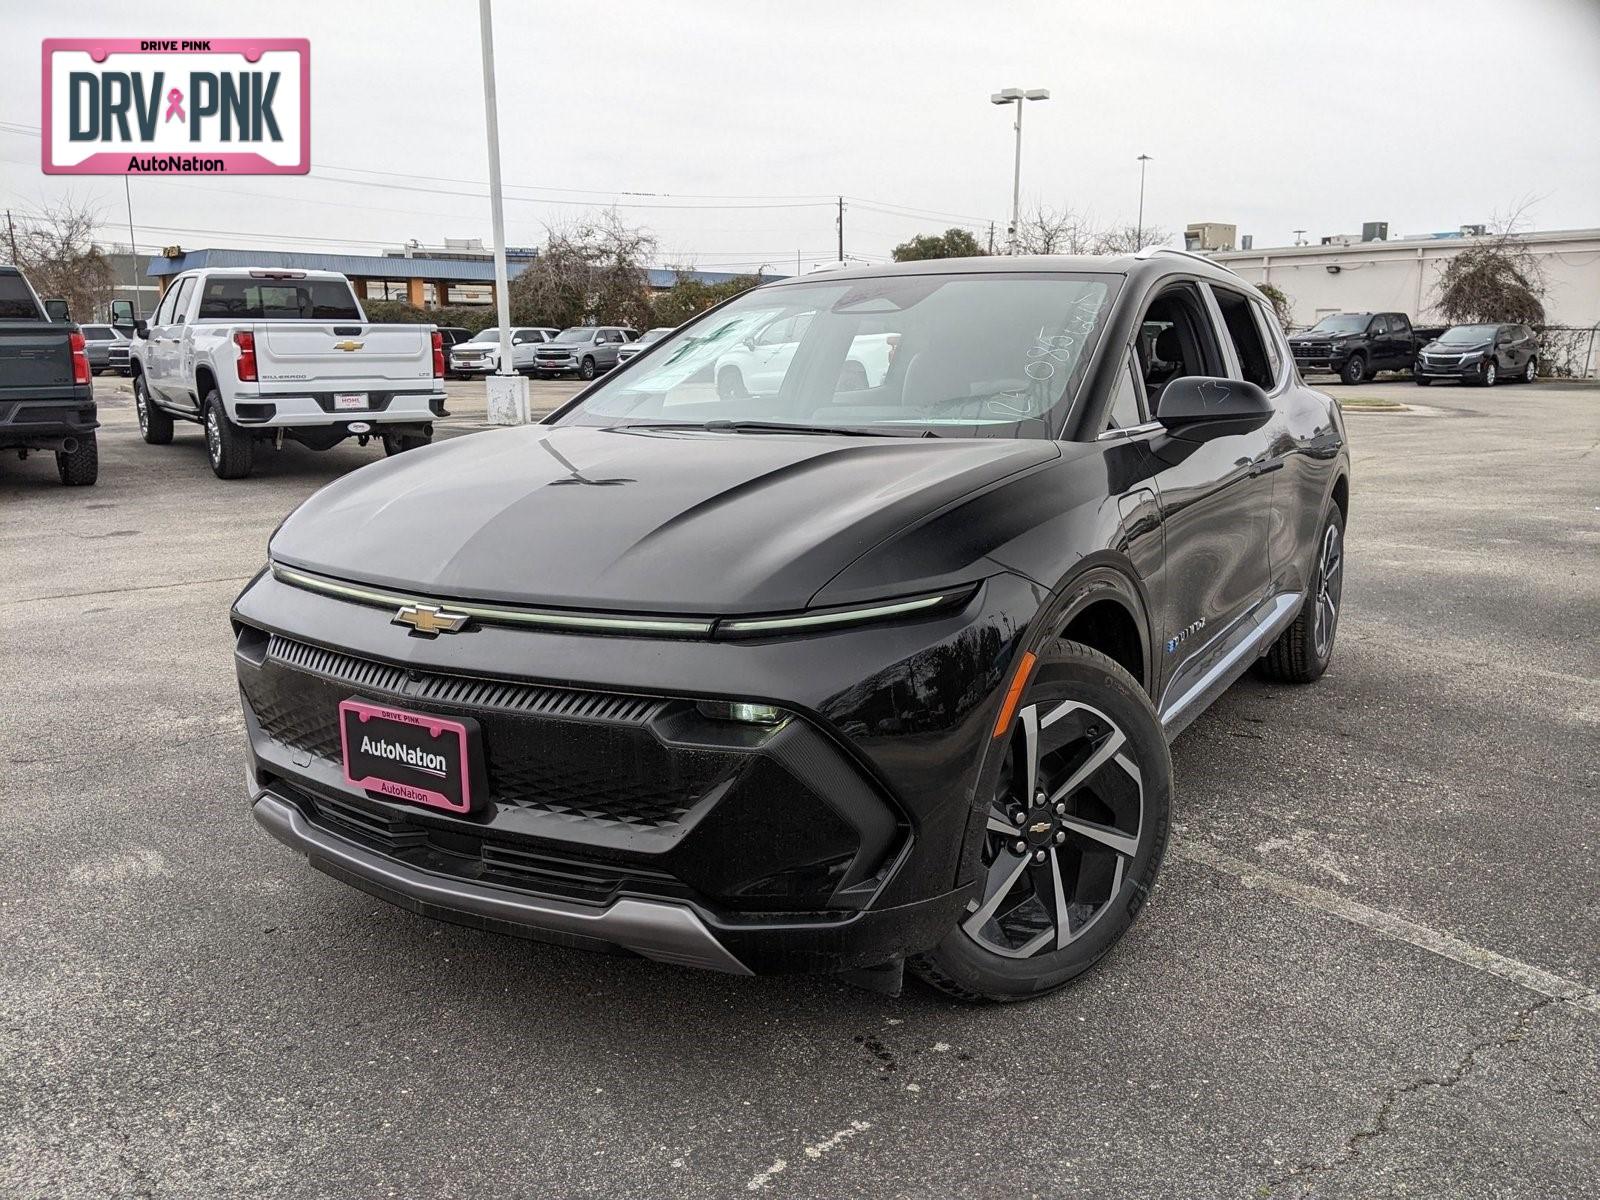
[{"x": 583, "y": 351}]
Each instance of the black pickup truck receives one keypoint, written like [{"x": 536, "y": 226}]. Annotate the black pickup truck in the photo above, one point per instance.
[
  {"x": 1356, "y": 346},
  {"x": 46, "y": 399}
]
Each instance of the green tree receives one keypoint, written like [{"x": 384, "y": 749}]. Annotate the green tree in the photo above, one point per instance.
[
  {"x": 952, "y": 243},
  {"x": 689, "y": 297}
]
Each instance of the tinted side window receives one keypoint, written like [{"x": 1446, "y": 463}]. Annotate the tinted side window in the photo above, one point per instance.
[
  {"x": 180, "y": 302},
  {"x": 1271, "y": 338},
  {"x": 1127, "y": 401},
  {"x": 16, "y": 299},
  {"x": 1246, "y": 337}
]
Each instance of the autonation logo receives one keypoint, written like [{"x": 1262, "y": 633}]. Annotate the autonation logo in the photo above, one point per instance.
[
  {"x": 422, "y": 760},
  {"x": 207, "y": 106}
]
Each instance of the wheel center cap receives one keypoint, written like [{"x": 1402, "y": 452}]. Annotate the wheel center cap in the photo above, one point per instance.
[{"x": 1040, "y": 827}]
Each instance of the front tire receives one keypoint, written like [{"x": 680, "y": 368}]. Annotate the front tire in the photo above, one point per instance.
[
  {"x": 231, "y": 449},
  {"x": 80, "y": 466},
  {"x": 1354, "y": 370},
  {"x": 1490, "y": 375},
  {"x": 586, "y": 369},
  {"x": 1303, "y": 651},
  {"x": 1075, "y": 834},
  {"x": 1421, "y": 380},
  {"x": 155, "y": 425}
]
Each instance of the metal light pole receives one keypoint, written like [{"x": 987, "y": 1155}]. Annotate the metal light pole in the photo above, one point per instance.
[
  {"x": 1017, "y": 96},
  {"x": 133, "y": 249},
  {"x": 1138, "y": 237},
  {"x": 508, "y": 394}
]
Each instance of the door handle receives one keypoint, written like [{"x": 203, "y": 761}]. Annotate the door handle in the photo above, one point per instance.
[{"x": 1264, "y": 468}]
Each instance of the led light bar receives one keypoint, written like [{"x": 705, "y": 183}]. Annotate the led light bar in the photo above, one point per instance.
[
  {"x": 840, "y": 616},
  {"x": 496, "y": 614}
]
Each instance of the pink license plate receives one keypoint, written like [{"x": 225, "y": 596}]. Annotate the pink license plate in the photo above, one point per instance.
[{"x": 410, "y": 756}]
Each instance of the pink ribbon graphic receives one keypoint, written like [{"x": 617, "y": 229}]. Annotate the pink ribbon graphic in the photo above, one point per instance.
[{"x": 175, "y": 105}]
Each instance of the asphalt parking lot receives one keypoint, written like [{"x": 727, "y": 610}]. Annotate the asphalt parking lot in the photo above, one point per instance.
[{"x": 1370, "y": 968}]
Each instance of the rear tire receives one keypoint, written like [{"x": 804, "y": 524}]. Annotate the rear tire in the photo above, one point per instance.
[
  {"x": 1088, "y": 773},
  {"x": 399, "y": 443},
  {"x": 1303, "y": 651},
  {"x": 1354, "y": 370},
  {"x": 1531, "y": 372},
  {"x": 155, "y": 425},
  {"x": 231, "y": 449},
  {"x": 79, "y": 467}
]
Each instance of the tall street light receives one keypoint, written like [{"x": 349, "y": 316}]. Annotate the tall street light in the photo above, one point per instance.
[
  {"x": 1138, "y": 237},
  {"x": 1017, "y": 96}
]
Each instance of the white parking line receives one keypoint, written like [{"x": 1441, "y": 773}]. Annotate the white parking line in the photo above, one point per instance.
[{"x": 1445, "y": 945}]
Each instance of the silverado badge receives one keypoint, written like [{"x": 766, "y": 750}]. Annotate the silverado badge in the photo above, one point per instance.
[{"x": 430, "y": 621}]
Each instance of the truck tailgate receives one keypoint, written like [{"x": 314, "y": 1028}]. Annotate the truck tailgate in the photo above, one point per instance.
[
  {"x": 35, "y": 358},
  {"x": 340, "y": 352}
]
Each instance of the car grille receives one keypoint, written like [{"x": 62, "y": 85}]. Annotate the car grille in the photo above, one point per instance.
[
  {"x": 1312, "y": 349},
  {"x": 581, "y": 754},
  {"x": 1442, "y": 360}
]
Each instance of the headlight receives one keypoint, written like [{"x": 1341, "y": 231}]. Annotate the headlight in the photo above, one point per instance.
[{"x": 805, "y": 622}]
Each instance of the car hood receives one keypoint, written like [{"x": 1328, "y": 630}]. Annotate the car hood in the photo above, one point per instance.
[
  {"x": 1455, "y": 347},
  {"x": 636, "y": 520}
]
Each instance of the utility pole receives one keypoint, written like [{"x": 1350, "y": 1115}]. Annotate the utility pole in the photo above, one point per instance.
[
  {"x": 1138, "y": 237},
  {"x": 841, "y": 228},
  {"x": 133, "y": 247},
  {"x": 991, "y": 237},
  {"x": 11, "y": 230},
  {"x": 508, "y": 392}
]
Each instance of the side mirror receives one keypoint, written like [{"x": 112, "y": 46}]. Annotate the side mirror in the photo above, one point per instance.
[
  {"x": 1198, "y": 407},
  {"x": 57, "y": 310},
  {"x": 141, "y": 328}
]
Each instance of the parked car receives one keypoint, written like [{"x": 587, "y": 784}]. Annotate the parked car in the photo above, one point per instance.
[
  {"x": 449, "y": 337},
  {"x": 46, "y": 395},
  {"x": 1356, "y": 346},
  {"x": 259, "y": 355},
  {"x": 1481, "y": 354},
  {"x": 757, "y": 364},
  {"x": 828, "y": 680},
  {"x": 631, "y": 350},
  {"x": 583, "y": 351},
  {"x": 480, "y": 354},
  {"x": 107, "y": 348}
]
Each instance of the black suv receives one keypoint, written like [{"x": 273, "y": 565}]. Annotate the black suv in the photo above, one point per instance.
[
  {"x": 1481, "y": 354},
  {"x": 859, "y": 674}
]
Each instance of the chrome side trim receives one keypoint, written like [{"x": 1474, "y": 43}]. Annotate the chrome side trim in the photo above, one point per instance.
[
  {"x": 1270, "y": 620},
  {"x": 496, "y": 614},
  {"x": 671, "y": 933},
  {"x": 1112, "y": 435}
]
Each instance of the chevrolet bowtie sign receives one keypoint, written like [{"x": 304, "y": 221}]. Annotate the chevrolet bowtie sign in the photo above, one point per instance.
[{"x": 209, "y": 106}]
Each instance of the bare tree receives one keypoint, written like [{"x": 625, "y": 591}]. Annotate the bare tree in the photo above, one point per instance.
[
  {"x": 1065, "y": 231},
  {"x": 58, "y": 252},
  {"x": 590, "y": 271},
  {"x": 1497, "y": 279}
]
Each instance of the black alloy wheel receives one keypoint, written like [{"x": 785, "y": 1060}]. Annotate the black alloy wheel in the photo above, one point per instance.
[
  {"x": 1074, "y": 835},
  {"x": 1355, "y": 369}
]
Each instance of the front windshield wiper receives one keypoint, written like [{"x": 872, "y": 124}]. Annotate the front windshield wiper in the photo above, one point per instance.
[{"x": 777, "y": 427}]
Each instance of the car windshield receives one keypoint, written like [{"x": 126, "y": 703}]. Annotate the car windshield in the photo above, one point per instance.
[
  {"x": 1342, "y": 323},
  {"x": 651, "y": 336},
  {"x": 485, "y": 335},
  {"x": 1469, "y": 334},
  {"x": 575, "y": 335},
  {"x": 962, "y": 355}
]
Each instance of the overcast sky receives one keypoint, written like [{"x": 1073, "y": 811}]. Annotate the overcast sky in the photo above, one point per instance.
[{"x": 1270, "y": 114}]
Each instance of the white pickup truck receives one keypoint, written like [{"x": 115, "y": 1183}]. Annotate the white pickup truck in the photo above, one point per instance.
[{"x": 257, "y": 355}]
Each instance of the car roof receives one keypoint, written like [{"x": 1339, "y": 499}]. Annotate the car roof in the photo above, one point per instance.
[{"x": 1150, "y": 263}]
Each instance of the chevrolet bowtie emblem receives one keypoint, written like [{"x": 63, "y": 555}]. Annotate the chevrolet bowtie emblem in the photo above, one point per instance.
[
  {"x": 347, "y": 345},
  {"x": 1040, "y": 827},
  {"x": 430, "y": 621}
]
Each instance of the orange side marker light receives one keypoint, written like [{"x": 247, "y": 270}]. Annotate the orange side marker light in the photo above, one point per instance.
[{"x": 1014, "y": 694}]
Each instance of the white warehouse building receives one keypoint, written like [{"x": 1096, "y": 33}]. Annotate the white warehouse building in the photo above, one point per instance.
[{"x": 1349, "y": 275}]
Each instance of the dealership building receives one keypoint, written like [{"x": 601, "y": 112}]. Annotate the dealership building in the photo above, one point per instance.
[
  {"x": 1370, "y": 272},
  {"x": 460, "y": 272}
]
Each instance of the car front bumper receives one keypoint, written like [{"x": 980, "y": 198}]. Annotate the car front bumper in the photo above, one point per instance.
[
  {"x": 617, "y": 816},
  {"x": 1455, "y": 369}
]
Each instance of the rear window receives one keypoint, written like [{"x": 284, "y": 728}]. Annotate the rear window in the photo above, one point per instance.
[
  {"x": 98, "y": 333},
  {"x": 278, "y": 300},
  {"x": 16, "y": 299}
]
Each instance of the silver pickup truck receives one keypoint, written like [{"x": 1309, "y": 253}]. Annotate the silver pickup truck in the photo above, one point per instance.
[{"x": 256, "y": 356}]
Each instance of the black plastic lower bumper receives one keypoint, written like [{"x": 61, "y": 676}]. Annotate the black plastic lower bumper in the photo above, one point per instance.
[{"x": 45, "y": 424}]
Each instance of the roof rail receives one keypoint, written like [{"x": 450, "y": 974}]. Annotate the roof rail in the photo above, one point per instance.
[{"x": 1152, "y": 251}]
